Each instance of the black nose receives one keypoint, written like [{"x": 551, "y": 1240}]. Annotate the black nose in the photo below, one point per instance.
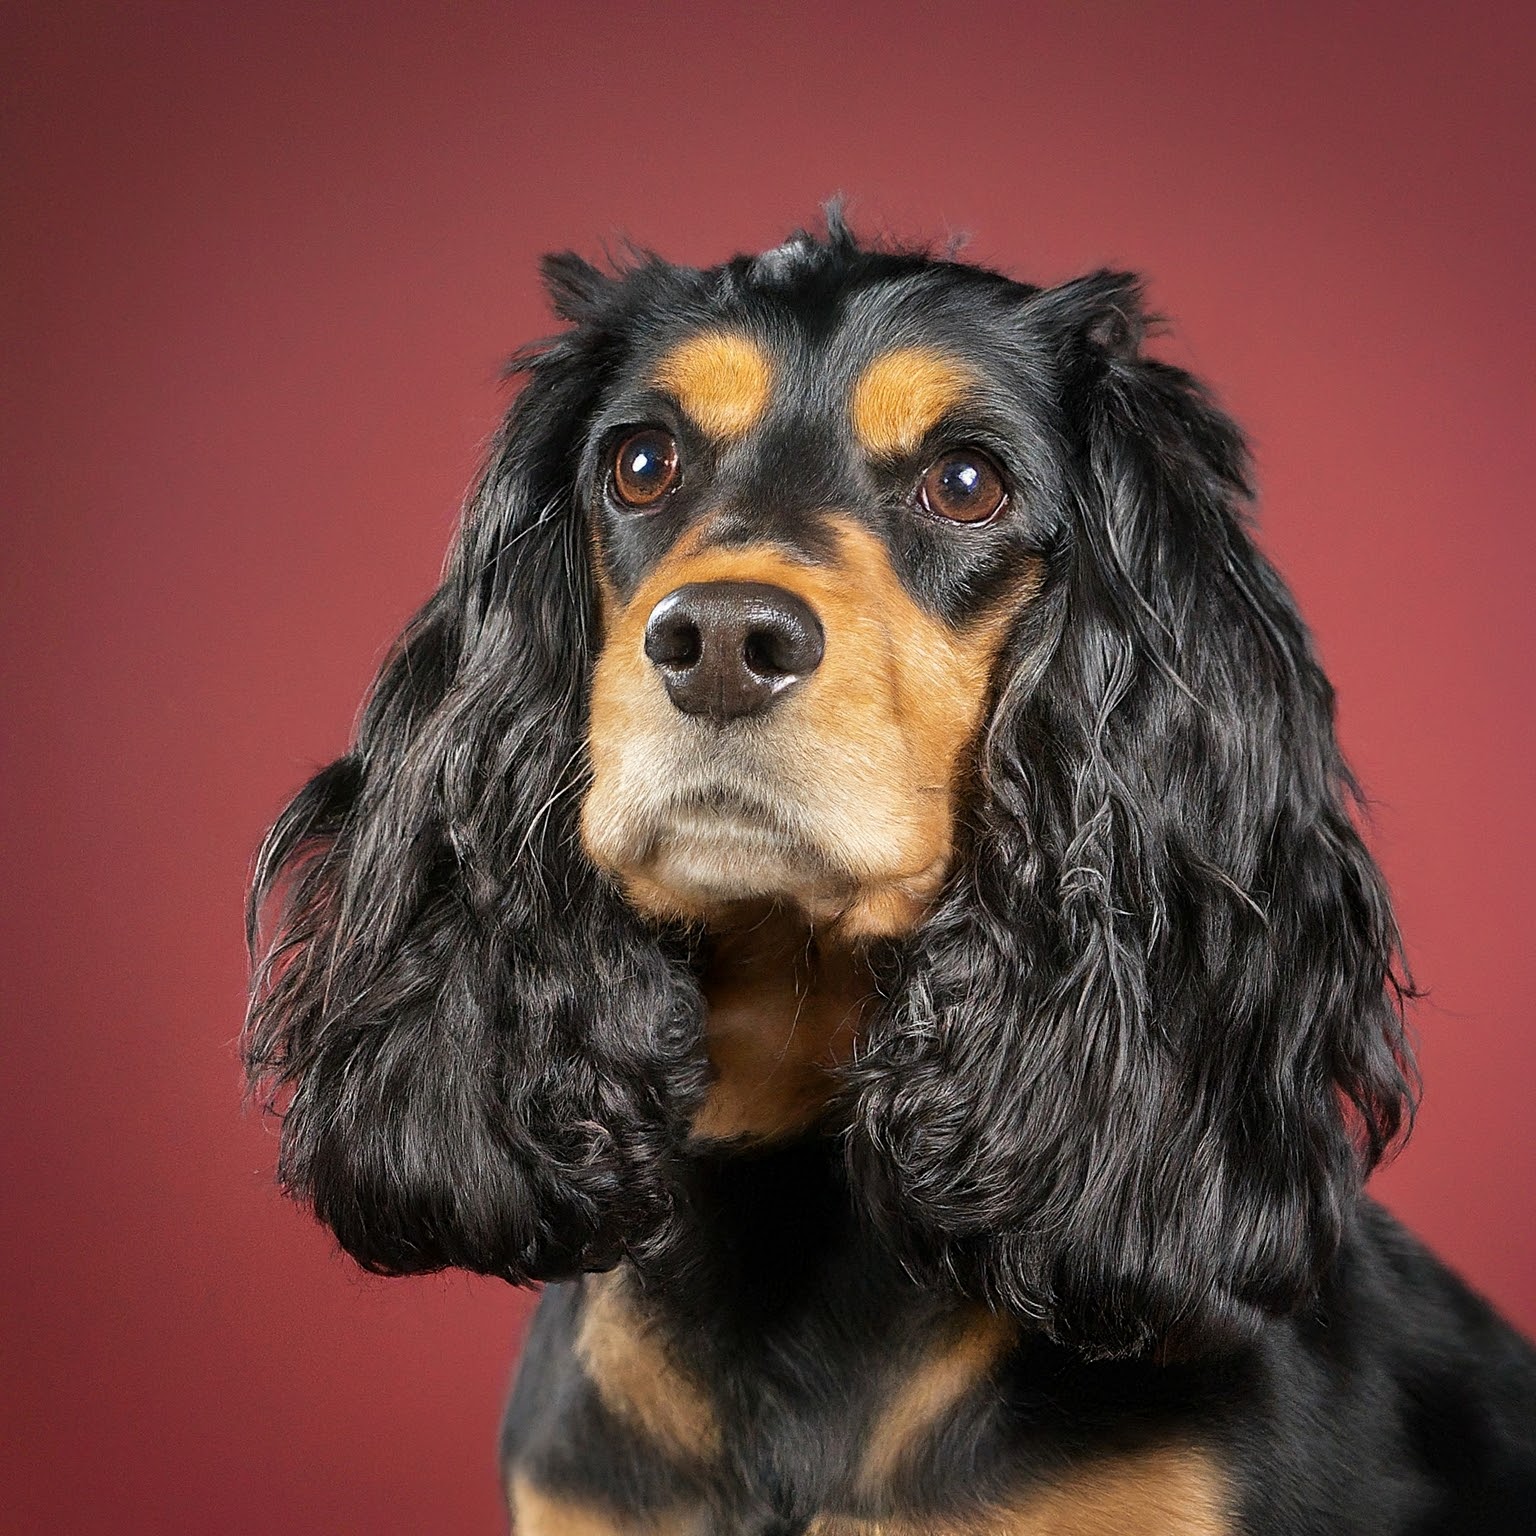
[{"x": 727, "y": 649}]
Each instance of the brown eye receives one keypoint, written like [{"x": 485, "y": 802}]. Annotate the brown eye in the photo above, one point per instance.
[
  {"x": 965, "y": 486},
  {"x": 645, "y": 467}
]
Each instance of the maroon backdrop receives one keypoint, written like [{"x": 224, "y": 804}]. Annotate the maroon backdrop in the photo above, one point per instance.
[{"x": 261, "y": 264}]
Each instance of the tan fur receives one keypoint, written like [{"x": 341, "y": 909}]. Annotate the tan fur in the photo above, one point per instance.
[
  {"x": 721, "y": 380},
  {"x": 862, "y": 760},
  {"x": 902, "y": 395},
  {"x": 1166, "y": 1491},
  {"x": 537, "y": 1513},
  {"x": 783, "y": 1014},
  {"x": 957, "y": 1362},
  {"x": 1172, "y": 1491},
  {"x": 635, "y": 1374}
]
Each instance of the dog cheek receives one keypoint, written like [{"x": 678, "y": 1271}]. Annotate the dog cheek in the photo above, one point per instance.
[
  {"x": 886, "y": 724},
  {"x": 855, "y": 757},
  {"x": 616, "y": 720}
]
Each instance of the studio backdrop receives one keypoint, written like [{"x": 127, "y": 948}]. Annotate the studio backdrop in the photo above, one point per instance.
[{"x": 262, "y": 264}]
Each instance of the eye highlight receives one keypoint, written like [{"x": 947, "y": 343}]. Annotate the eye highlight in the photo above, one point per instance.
[
  {"x": 645, "y": 467},
  {"x": 962, "y": 486}
]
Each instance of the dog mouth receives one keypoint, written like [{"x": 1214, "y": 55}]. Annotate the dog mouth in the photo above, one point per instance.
[
  {"x": 696, "y": 826},
  {"x": 718, "y": 842},
  {"x": 728, "y": 801}
]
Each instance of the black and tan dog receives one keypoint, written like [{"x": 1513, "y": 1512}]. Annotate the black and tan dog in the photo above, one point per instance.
[{"x": 851, "y": 874}]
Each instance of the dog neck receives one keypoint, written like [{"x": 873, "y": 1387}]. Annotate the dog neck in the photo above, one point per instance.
[{"x": 784, "y": 1010}]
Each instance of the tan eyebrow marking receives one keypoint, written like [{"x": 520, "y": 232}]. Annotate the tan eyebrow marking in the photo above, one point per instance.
[
  {"x": 721, "y": 379},
  {"x": 901, "y": 396}
]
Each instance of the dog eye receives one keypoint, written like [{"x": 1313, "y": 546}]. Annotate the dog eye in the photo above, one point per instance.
[
  {"x": 964, "y": 486},
  {"x": 645, "y": 467}
]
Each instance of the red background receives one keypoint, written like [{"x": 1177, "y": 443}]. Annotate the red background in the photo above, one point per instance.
[{"x": 261, "y": 263}]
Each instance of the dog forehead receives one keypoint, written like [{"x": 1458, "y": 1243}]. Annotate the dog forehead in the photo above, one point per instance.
[{"x": 887, "y": 360}]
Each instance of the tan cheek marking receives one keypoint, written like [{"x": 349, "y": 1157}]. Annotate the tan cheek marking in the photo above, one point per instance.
[
  {"x": 636, "y": 1376},
  {"x": 1172, "y": 1491},
  {"x": 880, "y": 729},
  {"x": 958, "y": 1363},
  {"x": 902, "y": 395},
  {"x": 720, "y": 379},
  {"x": 914, "y": 680},
  {"x": 537, "y": 1513}
]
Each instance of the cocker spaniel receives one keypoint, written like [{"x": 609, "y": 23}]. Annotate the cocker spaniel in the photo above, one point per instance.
[{"x": 850, "y": 878}]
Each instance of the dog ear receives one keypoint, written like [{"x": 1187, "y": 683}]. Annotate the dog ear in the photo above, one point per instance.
[
  {"x": 1138, "y": 1061},
  {"x": 577, "y": 290},
  {"x": 488, "y": 1057}
]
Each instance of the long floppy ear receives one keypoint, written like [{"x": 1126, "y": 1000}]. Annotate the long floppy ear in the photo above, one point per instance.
[
  {"x": 489, "y": 1058},
  {"x": 1139, "y": 1060}
]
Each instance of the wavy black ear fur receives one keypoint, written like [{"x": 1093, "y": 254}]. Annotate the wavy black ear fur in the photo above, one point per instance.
[
  {"x": 1136, "y": 1065},
  {"x": 489, "y": 1058}
]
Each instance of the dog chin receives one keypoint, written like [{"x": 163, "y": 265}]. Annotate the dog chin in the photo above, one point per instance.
[
  {"x": 704, "y": 851},
  {"x": 705, "y": 860},
  {"x": 729, "y": 858}
]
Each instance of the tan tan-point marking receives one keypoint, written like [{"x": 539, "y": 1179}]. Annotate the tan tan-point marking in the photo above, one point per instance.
[
  {"x": 783, "y": 1015},
  {"x": 635, "y": 1375},
  {"x": 876, "y": 737},
  {"x": 902, "y": 395},
  {"x": 537, "y": 1513},
  {"x": 955, "y": 1364},
  {"x": 910, "y": 688},
  {"x": 1172, "y": 1491},
  {"x": 720, "y": 379}
]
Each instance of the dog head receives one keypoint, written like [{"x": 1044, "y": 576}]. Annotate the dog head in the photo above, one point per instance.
[
  {"x": 813, "y": 527},
  {"x": 918, "y": 601}
]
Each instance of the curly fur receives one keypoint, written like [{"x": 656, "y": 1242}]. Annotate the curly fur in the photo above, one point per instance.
[
  {"x": 1141, "y": 1057},
  {"x": 1134, "y": 1066},
  {"x": 1087, "y": 1191},
  {"x": 491, "y": 1059}
]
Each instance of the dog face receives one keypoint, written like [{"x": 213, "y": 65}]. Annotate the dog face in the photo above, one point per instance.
[
  {"x": 812, "y": 531},
  {"x": 923, "y": 601}
]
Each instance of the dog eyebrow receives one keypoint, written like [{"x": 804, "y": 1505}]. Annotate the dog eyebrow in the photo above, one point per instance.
[
  {"x": 902, "y": 395},
  {"x": 721, "y": 380}
]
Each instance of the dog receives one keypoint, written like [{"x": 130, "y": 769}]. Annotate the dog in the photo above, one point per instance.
[{"x": 850, "y": 879}]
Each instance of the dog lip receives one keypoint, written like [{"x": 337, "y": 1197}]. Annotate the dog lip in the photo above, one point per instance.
[
  {"x": 727, "y": 801},
  {"x": 722, "y": 815},
  {"x": 707, "y": 815}
]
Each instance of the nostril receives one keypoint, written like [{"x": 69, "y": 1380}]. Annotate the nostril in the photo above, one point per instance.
[
  {"x": 763, "y": 653},
  {"x": 782, "y": 648},
  {"x": 674, "y": 642}
]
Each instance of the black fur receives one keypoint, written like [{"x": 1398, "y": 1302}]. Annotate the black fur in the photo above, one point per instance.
[
  {"x": 1396, "y": 1402},
  {"x": 491, "y": 1059},
  {"x": 1129, "y": 1075},
  {"x": 1139, "y": 1061}
]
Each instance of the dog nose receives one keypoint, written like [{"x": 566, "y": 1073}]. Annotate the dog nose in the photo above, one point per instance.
[{"x": 728, "y": 649}]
